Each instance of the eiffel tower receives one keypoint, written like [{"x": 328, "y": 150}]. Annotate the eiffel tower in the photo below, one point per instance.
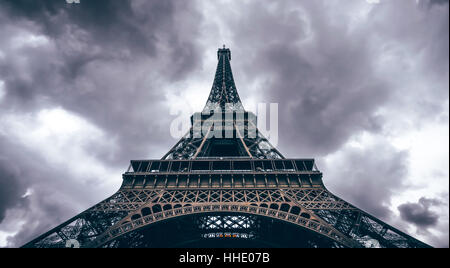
[{"x": 236, "y": 191}]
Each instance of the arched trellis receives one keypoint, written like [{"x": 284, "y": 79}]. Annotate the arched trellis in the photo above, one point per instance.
[{"x": 134, "y": 223}]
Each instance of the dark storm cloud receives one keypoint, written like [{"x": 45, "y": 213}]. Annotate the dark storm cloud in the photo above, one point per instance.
[
  {"x": 102, "y": 62},
  {"x": 11, "y": 189},
  {"x": 113, "y": 23},
  {"x": 327, "y": 96},
  {"x": 419, "y": 213},
  {"x": 439, "y": 2},
  {"x": 321, "y": 68}
]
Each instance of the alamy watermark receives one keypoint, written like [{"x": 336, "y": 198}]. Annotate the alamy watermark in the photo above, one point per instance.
[{"x": 227, "y": 121}]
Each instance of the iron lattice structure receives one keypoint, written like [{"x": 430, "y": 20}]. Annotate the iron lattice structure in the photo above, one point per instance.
[{"x": 224, "y": 192}]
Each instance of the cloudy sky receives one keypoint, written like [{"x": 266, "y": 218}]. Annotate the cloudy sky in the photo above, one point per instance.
[{"x": 362, "y": 86}]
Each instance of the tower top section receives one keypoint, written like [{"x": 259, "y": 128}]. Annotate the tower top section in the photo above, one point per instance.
[
  {"x": 225, "y": 52},
  {"x": 223, "y": 91}
]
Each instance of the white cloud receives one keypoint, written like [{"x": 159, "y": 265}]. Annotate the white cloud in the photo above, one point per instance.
[
  {"x": 65, "y": 141},
  {"x": 3, "y": 237},
  {"x": 26, "y": 39}
]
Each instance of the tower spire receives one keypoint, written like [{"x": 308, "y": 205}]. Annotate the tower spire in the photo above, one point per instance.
[{"x": 223, "y": 90}]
